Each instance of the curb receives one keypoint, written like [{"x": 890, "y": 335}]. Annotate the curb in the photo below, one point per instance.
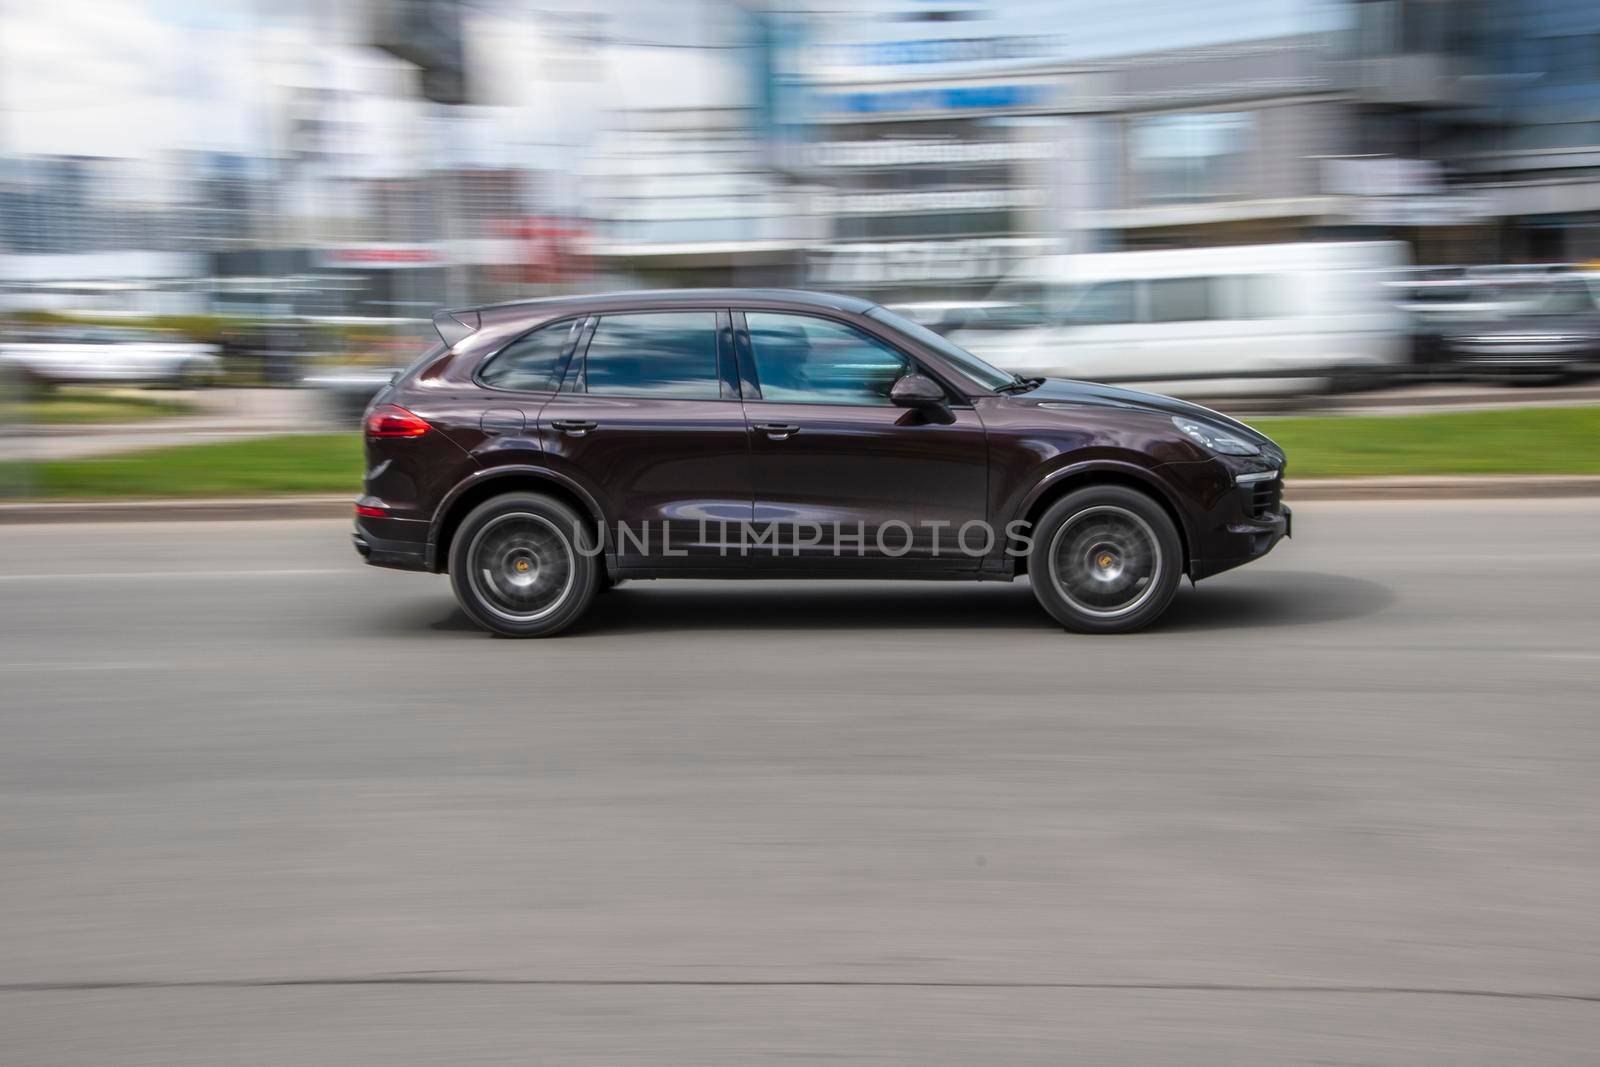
[
  {"x": 211, "y": 509},
  {"x": 205, "y": 509},
  {"x": 1441, "y": 487}
]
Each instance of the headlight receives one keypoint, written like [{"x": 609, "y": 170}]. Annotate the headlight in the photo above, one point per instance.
[{"x": 1215, "y": 438}]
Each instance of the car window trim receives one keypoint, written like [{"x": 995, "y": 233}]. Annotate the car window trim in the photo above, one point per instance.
[
  {"x": 750, "y": 382},
  {"x": 580, "y": 360},
  {"x": 729, "y": 386},
  {"x": 573, "y": 378}
]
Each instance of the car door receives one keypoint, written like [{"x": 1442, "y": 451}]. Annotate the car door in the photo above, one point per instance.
[
  {"x": 649, "y": 418},
  {"x": 835, "y": 462}
]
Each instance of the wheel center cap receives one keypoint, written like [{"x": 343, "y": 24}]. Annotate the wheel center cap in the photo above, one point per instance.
[
  {"x": 522, "y": 570},
  {"x": 1105, "y": 563}
]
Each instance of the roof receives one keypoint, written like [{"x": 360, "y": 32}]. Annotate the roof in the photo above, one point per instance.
[
  {"x": 456, "y": 324},
  {"x": 667, "y": 297}
]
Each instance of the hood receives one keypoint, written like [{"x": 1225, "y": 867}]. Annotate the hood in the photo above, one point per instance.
[
  {"x": 1062, "y": 393},
  {"x": 1093, "y": 394}
]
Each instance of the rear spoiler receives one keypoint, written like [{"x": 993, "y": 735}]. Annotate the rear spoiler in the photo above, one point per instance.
[{"x": 456, "y": 326}]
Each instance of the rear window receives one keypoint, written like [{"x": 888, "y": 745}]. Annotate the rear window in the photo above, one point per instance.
[
  {"x": 434, "y": 351},
  {"x": 529, "y": 363}
]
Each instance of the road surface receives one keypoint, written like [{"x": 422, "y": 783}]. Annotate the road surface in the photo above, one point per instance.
[{"x": 263, "y": 805}]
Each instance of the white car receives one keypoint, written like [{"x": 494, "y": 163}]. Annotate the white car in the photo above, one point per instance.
[
  {"x": 1232, "y": 321},
  {"x": 111, "y": 355}
]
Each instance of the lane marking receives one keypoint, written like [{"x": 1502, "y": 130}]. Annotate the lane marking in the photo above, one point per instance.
[
  {"x": 1463, "y": 557},
  {"x": 88, "y": 666},
  {"x": 441, "y": 978},
  {"x": 100, "y": 576}
]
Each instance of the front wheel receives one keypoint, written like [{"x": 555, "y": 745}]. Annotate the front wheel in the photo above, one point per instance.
[
  {"x": 524, "y": 565},
  {"x": 1105, "y": 560}
]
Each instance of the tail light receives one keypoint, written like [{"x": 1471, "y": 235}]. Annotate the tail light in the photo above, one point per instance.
[{"x": 387, "y": 420}]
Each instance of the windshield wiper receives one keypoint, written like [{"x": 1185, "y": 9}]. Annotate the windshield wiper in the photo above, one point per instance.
[{"x": 1020, "y": 385}]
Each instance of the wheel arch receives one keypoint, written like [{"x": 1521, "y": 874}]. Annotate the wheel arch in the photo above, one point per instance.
[
  {"x": 469, "y": 494},
  {"x": 1070, "y": 479}
]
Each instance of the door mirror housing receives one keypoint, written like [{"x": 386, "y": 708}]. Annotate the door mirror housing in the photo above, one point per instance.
[{"x": 917, "y": 391}]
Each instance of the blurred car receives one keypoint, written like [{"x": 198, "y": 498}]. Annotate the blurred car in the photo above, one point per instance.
[
  {"x": 1230, "y": 321},
  {"x": 111, "y": 356},
  {"x": 1440, "y": 302},
  {"x": 545, "y": 448},
  {"x": 1543, "y": 330}
]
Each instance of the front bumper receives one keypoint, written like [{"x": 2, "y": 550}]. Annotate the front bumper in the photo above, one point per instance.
[
  {"x": 1244, "y": 542},
  {"x": 1241, "y": 513},
  {"x": 1512, "y": 358}
]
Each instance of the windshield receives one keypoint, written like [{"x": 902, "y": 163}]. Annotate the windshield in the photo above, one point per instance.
[{"x": 969, "y": 364}]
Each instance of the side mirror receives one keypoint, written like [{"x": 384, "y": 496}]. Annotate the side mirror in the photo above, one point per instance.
[{"x": 917, "y": 391}]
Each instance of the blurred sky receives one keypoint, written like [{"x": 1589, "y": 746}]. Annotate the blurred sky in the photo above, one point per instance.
[{"x": 134, "y": 78}]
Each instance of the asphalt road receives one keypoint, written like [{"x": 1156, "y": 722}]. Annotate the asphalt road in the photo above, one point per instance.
[{"x": 262, "y": 805}]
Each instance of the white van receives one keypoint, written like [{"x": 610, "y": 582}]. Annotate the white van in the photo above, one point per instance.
[{"x": 1250, "y": 320}]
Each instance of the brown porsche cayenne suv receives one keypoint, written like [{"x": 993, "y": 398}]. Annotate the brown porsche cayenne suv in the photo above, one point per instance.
[{"x": 546, "y": 449}]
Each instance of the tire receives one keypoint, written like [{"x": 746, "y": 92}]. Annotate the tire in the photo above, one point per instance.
[
  {"x": 1357, "y": 378},
  {"x": 517, "y": 565},
  {"x": 196, "y": 374},
  {"x": 191, "y": 374},
  {"x": 22, "y": 383},
  {"x": 1105, "y": 560}
]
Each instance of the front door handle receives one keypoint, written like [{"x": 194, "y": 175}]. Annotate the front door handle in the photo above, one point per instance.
[
  {"x": 574, "y": 427},
  {"x": 778, "y": 431}
]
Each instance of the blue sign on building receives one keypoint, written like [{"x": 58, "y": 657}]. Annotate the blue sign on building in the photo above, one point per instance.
[{"x": 947, "y": 98}]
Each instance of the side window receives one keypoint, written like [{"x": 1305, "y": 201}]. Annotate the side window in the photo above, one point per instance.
[
  {"x": 804, "y": 360},
  {"x": 528, "y": 363},
  {"x": 1246, "y": 296},
  {"x": 1102, "y": 304},
  {"x": 1180, "y": 299},
  {"x": 667, "y": 354}
]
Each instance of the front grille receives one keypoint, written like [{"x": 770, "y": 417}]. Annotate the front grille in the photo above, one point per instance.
[{"x": 1265, "y": 498}]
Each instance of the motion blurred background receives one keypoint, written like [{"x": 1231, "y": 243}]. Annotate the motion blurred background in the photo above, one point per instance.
[
  {"x": 266, "y": 806},
  {"x": 1295, "y": 198}
]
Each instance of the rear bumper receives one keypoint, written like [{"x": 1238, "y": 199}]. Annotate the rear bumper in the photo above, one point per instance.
[{"x": 386, "y": 552}]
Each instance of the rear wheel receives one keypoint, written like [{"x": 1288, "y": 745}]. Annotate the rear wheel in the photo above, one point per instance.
[
  {"x": 1105, "y": 559},
  {"x": 523, "y": 565}
]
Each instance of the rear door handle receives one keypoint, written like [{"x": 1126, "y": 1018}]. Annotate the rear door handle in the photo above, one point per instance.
[
  {"x": 778, "y": 431},
  {"x": 574, "y": 427}
]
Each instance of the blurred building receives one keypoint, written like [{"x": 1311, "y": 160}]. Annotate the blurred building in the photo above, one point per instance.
[
  {"x": 685, "y": 197},
  {"x": 1536, "y": 148},
  {"x": 363, "y": 158},
  {"x": 957, "y": 139}
]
